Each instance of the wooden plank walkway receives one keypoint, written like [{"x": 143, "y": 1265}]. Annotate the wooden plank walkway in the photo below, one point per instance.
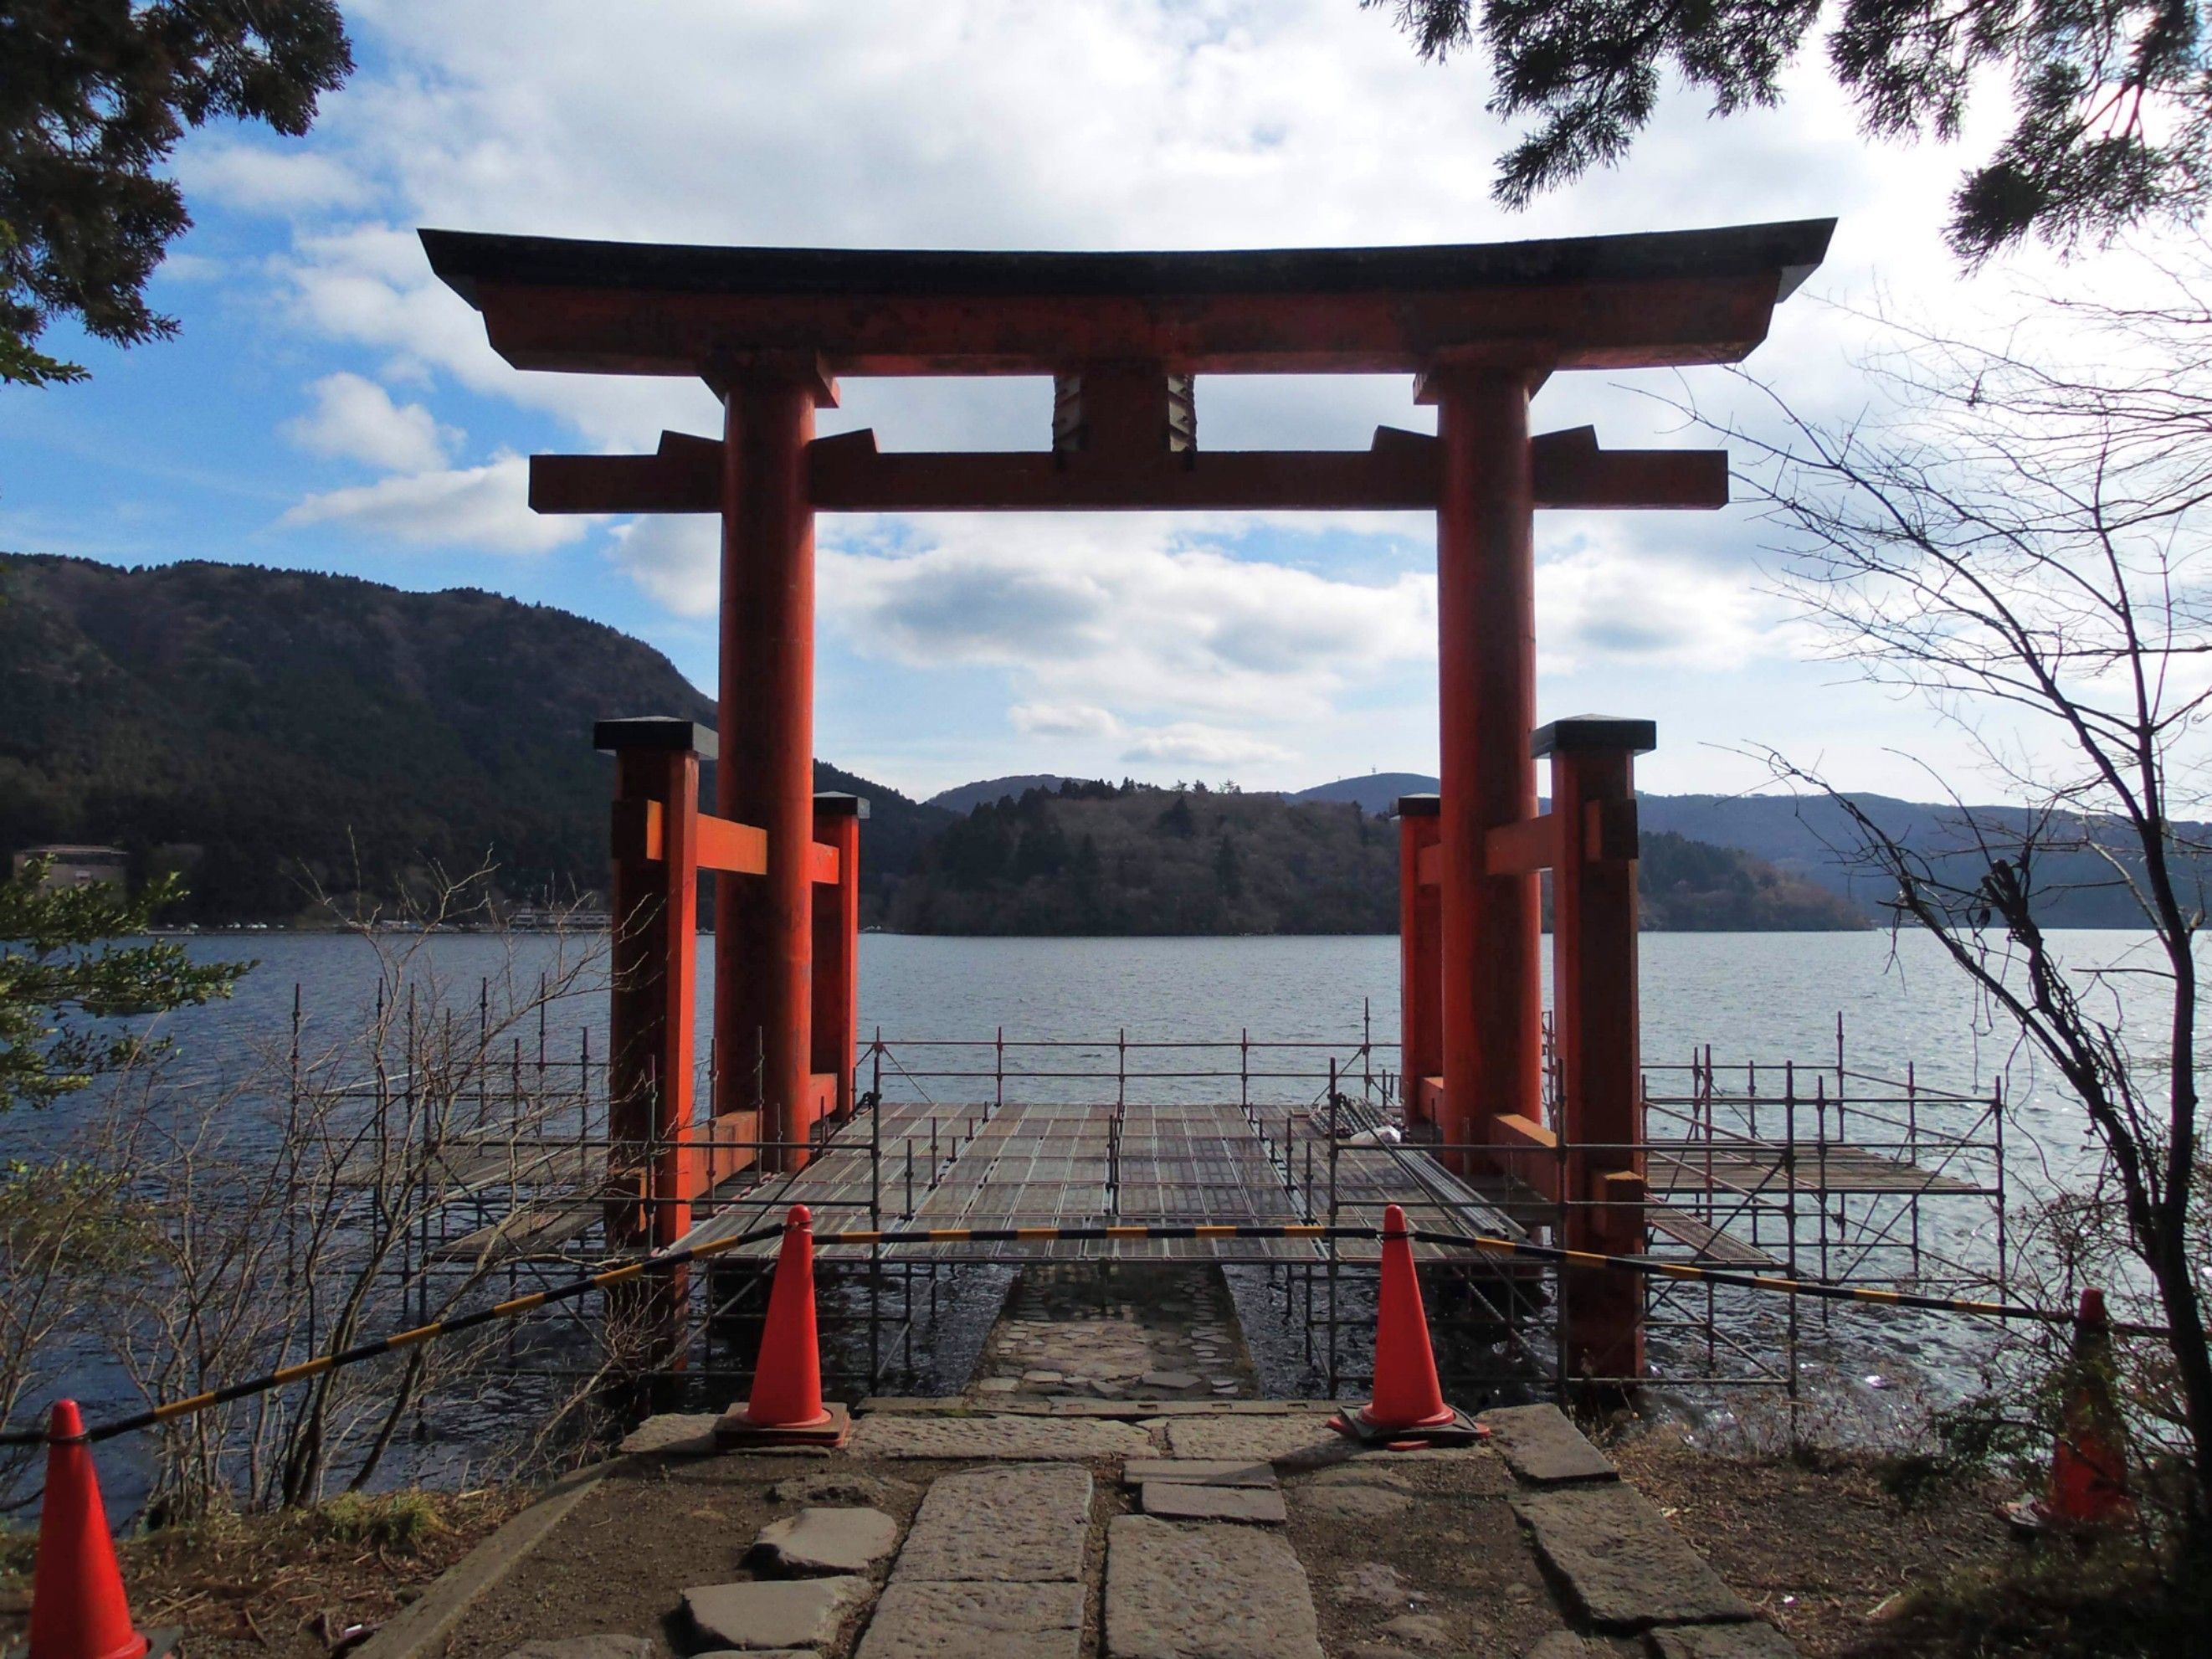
[
  {"x": 1041, "y": 1164},
  {"x": 1709, "y": 1247}
]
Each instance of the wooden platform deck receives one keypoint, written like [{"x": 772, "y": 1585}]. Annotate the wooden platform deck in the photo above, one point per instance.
[{"x": 1036, "y": 1164}]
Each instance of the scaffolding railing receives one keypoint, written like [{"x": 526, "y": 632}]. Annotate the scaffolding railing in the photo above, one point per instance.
[{"x": 1828, "y": 1172}]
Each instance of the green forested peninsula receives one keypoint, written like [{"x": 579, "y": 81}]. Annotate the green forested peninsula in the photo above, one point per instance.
[{"x": 1101, "y": 857}]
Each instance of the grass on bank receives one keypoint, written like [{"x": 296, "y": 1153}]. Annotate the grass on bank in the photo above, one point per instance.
[
  {"x": 2057, "y": 1598},
  {"x": 281, "y": 1585}
]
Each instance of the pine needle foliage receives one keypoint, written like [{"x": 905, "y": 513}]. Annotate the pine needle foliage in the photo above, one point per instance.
[
  {"x": 73, "y": 964},
  {"x": 2112, "y": 100},
  {"x": 94, "y": 95}
]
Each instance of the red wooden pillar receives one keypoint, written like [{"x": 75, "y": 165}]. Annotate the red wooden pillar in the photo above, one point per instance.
[
  {"x": 653, "y": 1006},
  {"x": 1420, "y": 990},
  {"x": 764, "y": 928},
  {"x": 1493, "y": 990},
  {"x": 837, "y": 946},
  {"x": 1595, "y": 1021}
]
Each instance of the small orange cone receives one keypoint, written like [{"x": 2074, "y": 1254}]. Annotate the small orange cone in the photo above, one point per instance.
[
  {"x": 787, "y": 1398},
  {"x": 1408, "y": 1401},
  {"x": 2088, "y": 1465},
  {"x": 78, "y": 1610}
]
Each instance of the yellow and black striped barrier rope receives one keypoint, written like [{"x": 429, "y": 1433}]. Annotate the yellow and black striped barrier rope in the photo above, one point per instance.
[
  {"x": 1484, "y": 1244},
  {"x": 169, "y": 1410}
]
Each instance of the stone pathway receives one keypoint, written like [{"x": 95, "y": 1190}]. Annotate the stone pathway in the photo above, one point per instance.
[
  {"x": 1115, "y": 1331},
  {"x": 1213, "y": 1530},
  {"x": 1204, "y": 1592},
  {"x": 1228, "y": 1588},
  {"x": 993, "y": 1565}
]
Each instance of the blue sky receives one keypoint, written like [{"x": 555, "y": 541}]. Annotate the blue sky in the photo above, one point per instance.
[{"x": 329, "y": 406}]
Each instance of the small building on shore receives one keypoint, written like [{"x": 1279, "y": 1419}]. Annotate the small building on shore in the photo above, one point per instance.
[{"x": 76, "y": 867}]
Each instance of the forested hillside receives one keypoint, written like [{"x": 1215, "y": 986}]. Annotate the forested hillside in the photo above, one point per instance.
[
  {"x": 271, "y": 732},
  {"x": 1097, "y": 857}
]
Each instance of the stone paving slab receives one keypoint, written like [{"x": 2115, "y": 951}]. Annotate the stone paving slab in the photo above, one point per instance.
[
  {"x": 829, "y": 1540},
  {"x": 1011, "y": 1438},
  {"x": 797, "y": 1613},
  {"x": 1544, "y": 1448},
  {"x": 585, "y": 1647},
  {"x": 1203, "y": 1471},
  {"x": 1188, "y": 1500},
  {"x": 1753, "y": 1641},
  {"x": 1254, "y": 1439},
  {"x": 969, "y": 1621},
  {"x": 907, "y": 1405},
  {"x": 688, "y": 1432},
  {"x": 1622, "y": 1567},
  {"x": 1024, "y": 1525},
  {"x": 1204, "y": 1592}
]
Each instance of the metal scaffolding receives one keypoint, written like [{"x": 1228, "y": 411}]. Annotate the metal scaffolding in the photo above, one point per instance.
[{"x": 1825, "y": 1172}]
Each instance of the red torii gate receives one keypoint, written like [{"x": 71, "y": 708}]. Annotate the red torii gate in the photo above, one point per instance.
[{"x": 1123, "y": 336}]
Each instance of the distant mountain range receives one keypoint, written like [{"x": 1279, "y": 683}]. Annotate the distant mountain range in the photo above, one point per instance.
[
  {"x": 1810, "y": 837},
  {"x": 273, "y": 732}
]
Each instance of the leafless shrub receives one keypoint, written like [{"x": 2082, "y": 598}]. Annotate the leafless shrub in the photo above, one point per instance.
[{"x": 2018, "y": 533}]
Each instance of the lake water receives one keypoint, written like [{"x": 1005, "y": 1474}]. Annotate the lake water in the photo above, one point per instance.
[
  {"x": 1753, "y": 996},
  {"x": 1766, "y": 997}
]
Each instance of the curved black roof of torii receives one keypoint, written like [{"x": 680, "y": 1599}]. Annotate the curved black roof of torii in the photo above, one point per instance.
[{"x": 1643, "y": 298}]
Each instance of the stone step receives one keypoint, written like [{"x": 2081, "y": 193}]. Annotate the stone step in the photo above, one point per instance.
[
  {"x": 1188, "y": 1500},
  {"x": 1204, "y": 1592},
  {"x": 993, "y": 1564},
  {"x": 827, "y": 1540},
  {"x": 1624, "y": 1569},
  {"x": 1543, "y": 1448},
  {"x": 921, "y": 1621},
  {"x": 773, "y": 1614}
]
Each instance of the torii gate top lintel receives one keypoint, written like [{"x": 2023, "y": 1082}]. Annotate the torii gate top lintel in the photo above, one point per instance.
[{"x": 1637, "y": 301}]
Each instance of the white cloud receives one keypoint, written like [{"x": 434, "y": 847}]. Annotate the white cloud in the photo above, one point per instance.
[
  {"x": 676, "y": 559},
  {"x": 1608, "y": 600},
  {"x": 1127, "y": 614},
  {"x": 482, "y": 508},
  {"x": 1192, "y": 743},
  {"x": 1056, "y": 720},
  {"x": 270, "y": 180},
  {"x": 354, "y": 418}
]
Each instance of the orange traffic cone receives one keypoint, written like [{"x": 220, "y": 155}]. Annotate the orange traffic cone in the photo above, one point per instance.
[
  {"x": 78, "y": 1610},
  {"x": 786, "y": 1399},
  {"x": 1408, "y": 1403},
  {"x": 2088, "y": 1465}
]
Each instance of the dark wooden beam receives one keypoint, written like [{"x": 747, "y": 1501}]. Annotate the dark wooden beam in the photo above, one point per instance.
[
  {"x": 684, "y": 476},
  {"x": 1602, "y": 301},
  {"x": 1585, "y": 325},
  {"x": 847, "y": 473}
]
